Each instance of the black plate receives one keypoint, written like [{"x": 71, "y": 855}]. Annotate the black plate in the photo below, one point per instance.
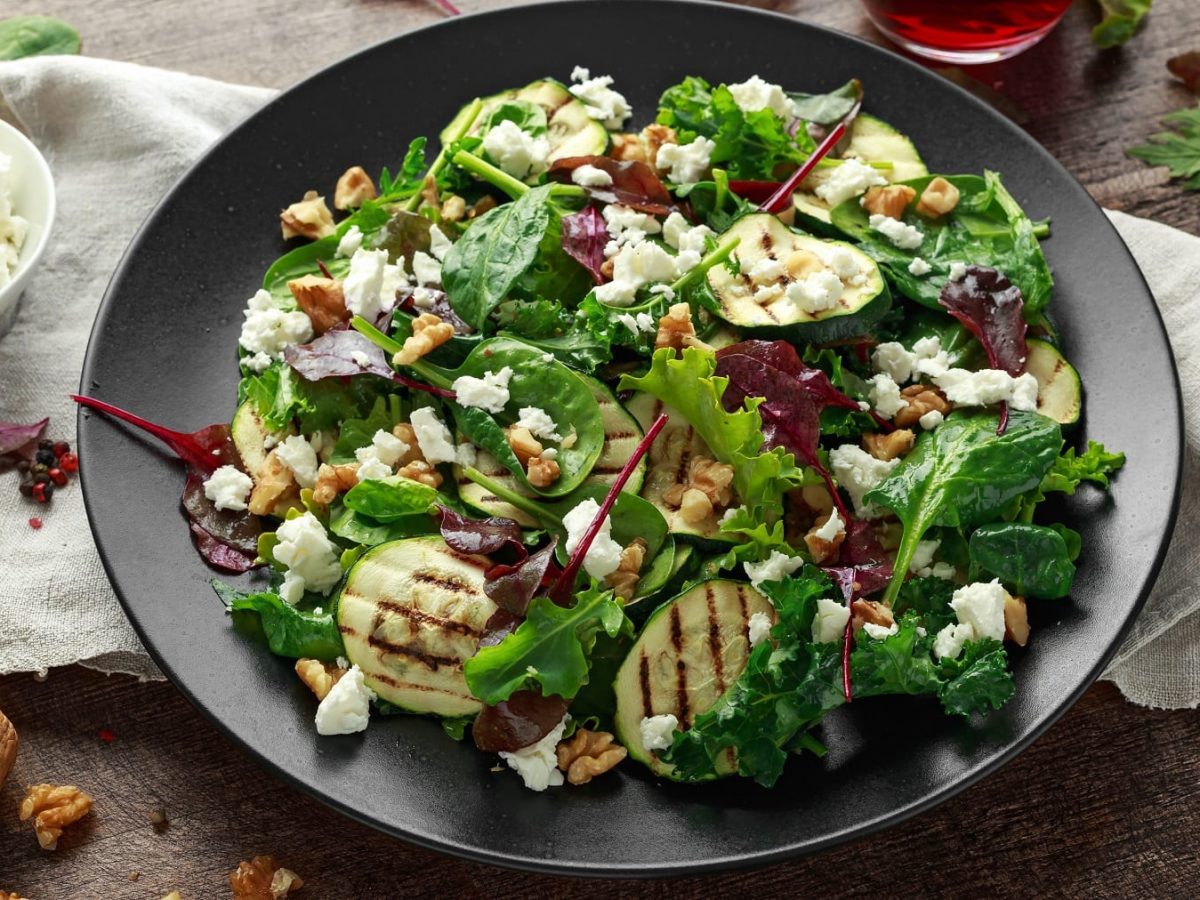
[{"x": 163, "y": 346}]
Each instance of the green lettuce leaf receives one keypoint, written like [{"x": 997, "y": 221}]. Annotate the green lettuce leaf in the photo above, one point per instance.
[
  {"x": 389, "y": 499},
  {"x": 289, "y": 631},
  {"x": 1120, "y": 22},
  {"x": 1070, "y": 470}
]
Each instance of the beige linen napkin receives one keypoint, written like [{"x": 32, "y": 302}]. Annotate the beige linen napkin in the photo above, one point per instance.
[{"x": 116, "y": 136}]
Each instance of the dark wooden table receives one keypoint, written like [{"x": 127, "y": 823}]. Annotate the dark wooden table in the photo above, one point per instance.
[{"x": 1105, "y": 804}]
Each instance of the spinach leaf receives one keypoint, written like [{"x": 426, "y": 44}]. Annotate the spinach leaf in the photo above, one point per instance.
[
  {"x": 22, "y": 36},
  {"x": 289, "y": 631},
  {"x": 964, "y": 474},
  {"x": 1032, "y": 558},
  {"x": 987, "y": 228},
  {"x": 977, "y": 680},
  {"x": 529, "y": 117},
  {"x": 282, "y": 397},
  {"x": 388, "y": 499},
  {"x": 831, "y": 108},
  {"x": 360, "y": 529},
  {"x": 549, "y": 649}
]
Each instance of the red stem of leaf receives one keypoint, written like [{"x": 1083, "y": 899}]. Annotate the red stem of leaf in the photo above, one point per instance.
[
  {"x": 448, "y": 8},
  {"x": 183, "y": 444},
  {"x": 422, "y": 386},
  {"x": 560, "y": 593},
  {"x": 779, "y": 201},
  {"x": 324, "y": 269},
  {"x": 847, "y": 692},
  {"x": 833, "y": 492},
  {"x": 1003, "y": 426}
]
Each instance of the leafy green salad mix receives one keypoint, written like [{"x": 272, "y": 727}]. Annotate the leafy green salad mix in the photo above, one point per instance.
[{"x": 664, "y": 444}]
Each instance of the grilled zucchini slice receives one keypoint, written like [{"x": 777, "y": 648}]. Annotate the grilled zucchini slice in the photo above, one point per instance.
[
  {"x": 411, "y": 612},
  {"x": 691, "y": 650},
  {"x": 1059, "y": 389}
]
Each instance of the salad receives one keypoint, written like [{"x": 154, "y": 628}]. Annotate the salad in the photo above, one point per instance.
[{"x": 599, "y": 443}]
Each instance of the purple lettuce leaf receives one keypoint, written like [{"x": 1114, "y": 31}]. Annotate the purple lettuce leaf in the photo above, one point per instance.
[
  {"x": 584, "y": 237},
  {"x": 523, "y": 719},
  {"x": 635, "y": 184},
  {"x": 511, "y": 587},
  {"x": 437, "y": 303},
  {"x": 332, "y": 356},
  {"x": 227, "y": 539},
  {"x": 989, "y": 306},
  {"x": 483, "y": 536}
]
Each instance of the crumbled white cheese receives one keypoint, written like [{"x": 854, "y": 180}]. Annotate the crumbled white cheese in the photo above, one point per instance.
[
  {"x": 363, "y": 287},
  {"x": 885, "y": 396},
  {"x": 859, "y": 472},
  {"x": 685, "y": 237},
  {"x": 833, "y": 526},
  {"x": 879, "y": 632},
  {"x": 958, "y": 271},
  {"x": 767, "y": 293},
  {"x": 537, "y": 764},
  {"x": 439, "y": 244},
  {"x": 943, "y": 570},
  {"x": 922, "y": 557},
  {"x": 604, "y": 555},
  {"x": 488, "y": 393},
  {"x": 538, "y": 422},
  {"x": 371, "y": 467},
  {"x": 844, "y": 263},
  {"x": 350, "y": 242},
  {"x": 269, "y": 330},
  {"x": 228, "y": 487},
  {"x": 817, "y": 293},
  {"x": 758, "y": 628},
  {"x": 767, "y": 270},
  {"x": 517, "y": 152},
  {"x": 987, "y": 386},
  {"x": 433, "y": 437},
  {"x": 13, "y": 228},
  {"x": 949, "y": 641},
  {"x": 426, "y": 269},
  {"x": 377, "y": 458},
  {"x": 829, "y": 624},
  {"x": 628, "y": 226},
  {"x": 298, "y": 455},
  {"x": 686, "y": 163},
  {"x": 901, "y": 234},
  {"x": 634, "y": 267},
  {"x": 931, "y": 420},
  {"x": 588, "y": 175},
  {"x": 891, "y": 359},
  {"x": 658, "y": 732},
  {"x": 550, "y": 453},
  {"x": 775, "y": 567},
  {"x": 981, "y": 605},
  {"x": 850, "y": 178},
  {"x": 642, "y": 323},
  {"x": 346, "y": 709},
  {"x": 929, "y": 358},
  {"x": 754, "y": 94},
  {"x": 919, "y": 267},
  {"x": 312, "y": 559},
  {"x": 600, "y": 100},
  {"x": 360, "y": 358}
]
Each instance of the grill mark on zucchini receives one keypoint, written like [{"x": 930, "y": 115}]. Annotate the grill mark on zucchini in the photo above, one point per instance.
[
  {"x": 423, "y": 618},
  {"x": 414, "y": 686},
  {"x": 644, "y": 680},
  {"x": 714, "y": 638},
  {"x": 446, "y": 582},
  {"x": 681, "y": 680},
  {"x": 430, "y": 661}
]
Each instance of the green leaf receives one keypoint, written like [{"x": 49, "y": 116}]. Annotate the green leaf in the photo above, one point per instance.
[
  {"x": 289, "y": 631},
  {"x": 549, "y": 649},
  {"x": 456, "y": 727},
  {"x": 22, "y": 36},
  {"x": 529, "y": 117},
  {"x": 831, "y": 108},
  {"x": 355, "y": 433},
  {"x": 978, "y": 679},
  {"x": 899, "y": 664},
  {"x": 1070, "y": 470},
  {"x": 409, "y": 179},
  {"x": 389, "y": 499},
  {"x": 359, "y": 529},
  {"x": 1179, "y": 150},
  {"x": 282, "y": 397},
  {"x": 965, "y": 474},
  {"x": 1120, "y": 22},
  {"x": 1034, "y": 559}
]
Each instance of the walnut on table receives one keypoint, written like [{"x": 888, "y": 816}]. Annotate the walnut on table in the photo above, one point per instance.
[
  {"x": 262, "y": 879},
  {"x": 8, "y": 747},
  {"x": 53, "y": 808},
  {"x": 588, "y": 754}
]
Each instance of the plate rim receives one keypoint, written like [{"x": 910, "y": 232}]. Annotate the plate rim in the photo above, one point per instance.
[{"x": 616, "y": 869}]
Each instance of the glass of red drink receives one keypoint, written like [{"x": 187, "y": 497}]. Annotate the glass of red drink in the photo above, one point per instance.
[{"x": 966, "y": 31}]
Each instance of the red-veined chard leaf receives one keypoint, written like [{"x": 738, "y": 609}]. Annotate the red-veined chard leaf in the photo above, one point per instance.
[
  {"x": 512, "y": 586},
  {"x": 584, "y": 237},
  {"x": 634, "y": 184},
  {"x": 989, "y": 306},
  {"x": 338, "y": 353},
  {"x": 480, "y": 536},
  {"x": 520, "y": 721},
  {"x": 20, "y": 440}
]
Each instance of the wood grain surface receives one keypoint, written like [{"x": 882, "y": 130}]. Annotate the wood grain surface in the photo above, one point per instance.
[{"x": 1105, "y": 805}]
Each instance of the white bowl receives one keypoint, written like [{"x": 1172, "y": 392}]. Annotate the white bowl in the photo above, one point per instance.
[{"x": 33, "y": 199}]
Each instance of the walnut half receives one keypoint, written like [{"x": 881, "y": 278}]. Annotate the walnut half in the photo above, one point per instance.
[
  {"x": 309, "y": 218},
  {"x": 53, "y": 808},
  {"x": 588, "y": 754},
  {"x": 262, "y": 879},
  {"x": 319, "y": 677},
  {"x": 429, "y": 333},
  {"x": 8, "y": 747}
]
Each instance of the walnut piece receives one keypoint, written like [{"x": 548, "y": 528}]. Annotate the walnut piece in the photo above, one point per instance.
[
  {"x": 354, "y": 188},
  {"x": 454, "y": 208},
  {"x": 262, "y": 879},
  {"x": 8, "y": 747},
  {"x": 419, "y": 470},
  {"x": 319, "y": 677},
  {"x": 890, "y": 445},
  {"x": 523, "y": 444},
  {"x": 608, "y": 267},
  {"x": 713, "y": 478},
  {"x": 54, "y": 808},
  {"x": 542, "y": 472},
  {"x": 322, "y": 301},
  {"x": 695, "y": 506},
  {"x": 888, "y": 201},
  {"x": 308, "y": 218},
  {"x": 1016, "y": 620},
  {"x": 642, "y": 147},
  {"x": 588, "y": 754},
  {"x": 938, "y": 198},
  {"x": 675, "y": 330},
  {"x": 429, "y": 333},
  {"x": 821, "y": 549},
  {"x": 483, "y": 204},
  {"x": 5, "y": 895},
  {"x": 624, "y": 580},
  {"x": 872, "y": 611},
  {"x": 333, "y": 480},
  {"x": 922, "y": 398},
  {"x": 275, "y": 488},
  {"x": 405, "y": 432}
]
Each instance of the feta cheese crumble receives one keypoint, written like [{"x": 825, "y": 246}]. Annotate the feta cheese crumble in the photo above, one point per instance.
[
  {"x": 439, "y": 244},
  {"x": 919, "y": 267},
  {"x": 537, "y": 764},
  {"x": 643, "y": 323},
  {"x": 604, "y": 555},
  {"x": 601, "y": 101},
  {"x": 426, "y": 269},
  {"x": 767, "y": 270},
  {"x": 754, "y": 94},
  {"x": 931, "y": 420},
  {"x": 758, "y": 628},
  {"x": 377, "y": 458},
  {"x": 588, "y": 175},
  {"x": 775, "y": 567},
  {"x": 987, "y": 386},
  {"x": 658, "y": 731},
  {"x": 829, "y": 624},
  {"x": 538, "y": 422},
  {"x": 859, "y": 472},
  {"x": 312, "y": 559},
  {"x": 228, "y": 487},
  {"x": 350, "y": 242},
  {"x": 269, "y": 330},
  {"x": 686, "y": 163},
  {"x": 885, "y": 396},
  {"x": 958, "y": 271},
  {"x": 298, "y": 455},
  {"x": 517, "y": 152},
  {"x": 817, "y": 293},
  {"x": 634, "y": 267},
  {"x": 891, "y": 359},
  {"x": 844, "y": 264},
  {"x": 685, "y": 237},
  {"x": 833, "y": 526},
  {"x": 850, "y": 178},
  {"x": 922, "y": 557},
  {"x": 371, "y": 285},
  {"x": 489, "y": 393},
  {"x": 981, "y": 605},
  {"x": 346, "y": 709},
  {"x": 879, "y": 632},
  {"x": 901, "y": 234},
  {"x": 13, "y": 228},
  {"x": 434, "y": 439},
  {"x": 949, "y": 641},
  {"x": 628, "y": 226}
]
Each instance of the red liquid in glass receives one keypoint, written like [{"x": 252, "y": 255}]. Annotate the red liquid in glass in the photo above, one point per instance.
[{"x": 968, "y": 27}]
